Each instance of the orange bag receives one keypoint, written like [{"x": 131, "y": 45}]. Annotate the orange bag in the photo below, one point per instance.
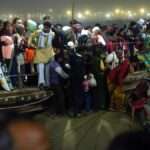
[{"x": 29, "y": 55}]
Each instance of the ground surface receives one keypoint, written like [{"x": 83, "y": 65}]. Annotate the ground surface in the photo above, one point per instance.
[{"x": 92, "y": 132}]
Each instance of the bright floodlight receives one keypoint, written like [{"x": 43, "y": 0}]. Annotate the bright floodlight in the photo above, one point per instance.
[
  {"x": 117, "y": 11},
  {"x": 68, "y": 12},
  {"x": 142, "y": 10},
  {"x": 148, "y": 14},
  {"x": 87, "y": 12},
  {"x": 80, "y": 15},
  {"x": 122, "y": 12},
  {"x": 10, "y": 16},
  {"x": 129, "y": 12},
  {"x": 108, "y": 15},
  {"x": 130, "y": 15}
]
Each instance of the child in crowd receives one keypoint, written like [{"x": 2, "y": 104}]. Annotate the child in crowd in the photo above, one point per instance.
[{"x": 88, "y": 83}]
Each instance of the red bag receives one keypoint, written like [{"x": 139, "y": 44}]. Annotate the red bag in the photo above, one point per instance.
[{"x": 29, "y": 55}]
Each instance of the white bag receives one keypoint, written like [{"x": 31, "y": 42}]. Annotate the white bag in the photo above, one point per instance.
[{"x": 92, "y": 81}]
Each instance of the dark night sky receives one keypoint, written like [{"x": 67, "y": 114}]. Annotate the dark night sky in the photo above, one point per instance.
[{"x": 40, "y": 5}]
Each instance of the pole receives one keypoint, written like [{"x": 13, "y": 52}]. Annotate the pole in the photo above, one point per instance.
[{"x": 73, "y": 9}]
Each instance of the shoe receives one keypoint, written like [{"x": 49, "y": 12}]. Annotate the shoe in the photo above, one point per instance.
[
  {"x": 47, "y": 88},
  {"x": 70, "y": 114},
  {"x": 78, "y": 115},
  {"x": 41, "y": 86}
]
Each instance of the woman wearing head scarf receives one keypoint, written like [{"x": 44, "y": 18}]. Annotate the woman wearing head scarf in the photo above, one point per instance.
[{"x": 118, "y": 71}]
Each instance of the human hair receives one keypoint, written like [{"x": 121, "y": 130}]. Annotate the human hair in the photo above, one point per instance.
[
  {"x": 133, "y": 140},
  {"x": 45, "y": 18},
  {"x": 6, "y": 28},
  {"x": 5, "y": 24},
  {"x": 6, "y": 142}
]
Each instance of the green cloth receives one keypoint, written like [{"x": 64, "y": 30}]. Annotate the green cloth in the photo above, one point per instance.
[
  {"x": 145, "y": 58},
  {"x": 31, "y": 26}
]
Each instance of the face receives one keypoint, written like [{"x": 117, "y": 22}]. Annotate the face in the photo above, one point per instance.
[
  {"x": 21, "y": 31},
  {"x": 120, "y": 55},
  {"x": 9, "y": 28},
  {"x": 46, "y": 29}
]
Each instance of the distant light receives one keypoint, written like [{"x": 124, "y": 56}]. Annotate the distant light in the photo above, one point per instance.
[
  {"x": 108, "y": 15},
  {"x": 142, "y": 10},
  {"x": 122, "y": 12},
  {"x": 148, "y": 14},
  {"x": 87, "y": 12},
  {"x": 10, "y": 16},
  {"x": 50, "y": 10},
  {"x": 69, "y": 12},
  {"x": 80, "y": 15},
  {"x": 117, "y": 11},
  {"x": 130, "y": 15},
  {"x": 129, "y": 12}
]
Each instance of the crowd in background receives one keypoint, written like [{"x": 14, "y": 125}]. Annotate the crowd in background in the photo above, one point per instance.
[{"x": 85, "y": 66}]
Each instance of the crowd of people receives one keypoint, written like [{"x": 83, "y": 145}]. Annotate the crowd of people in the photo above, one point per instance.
[{"x": 85, "y": 66}]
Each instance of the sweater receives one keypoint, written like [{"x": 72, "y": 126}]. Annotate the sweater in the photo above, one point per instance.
[{"x": 56, "y": 73}]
